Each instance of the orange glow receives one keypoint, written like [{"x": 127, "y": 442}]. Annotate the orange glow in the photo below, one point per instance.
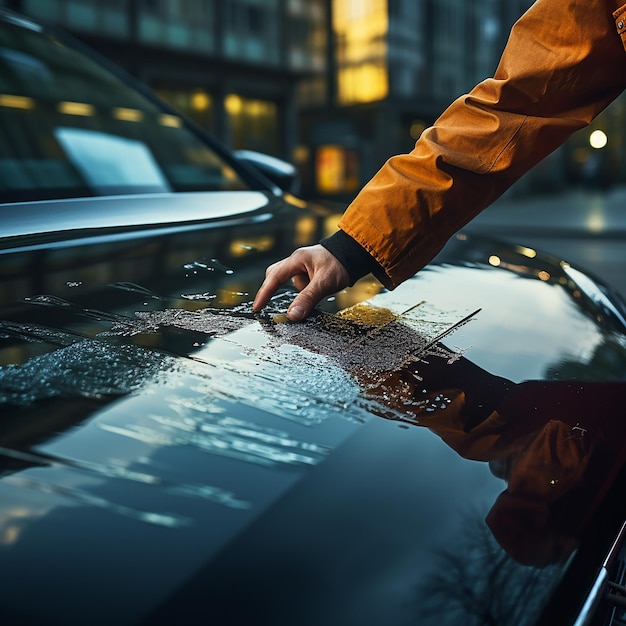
[{"x": 336, "y": 169}]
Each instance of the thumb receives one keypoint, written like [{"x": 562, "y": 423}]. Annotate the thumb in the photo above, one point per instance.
[{"x": 304, "y": 303}]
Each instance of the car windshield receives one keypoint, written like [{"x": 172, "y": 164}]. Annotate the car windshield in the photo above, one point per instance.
[{"x": 71, "y": 128}]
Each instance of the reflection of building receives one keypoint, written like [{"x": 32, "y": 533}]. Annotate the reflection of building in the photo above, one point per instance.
[{"x": 231, "y": 66}]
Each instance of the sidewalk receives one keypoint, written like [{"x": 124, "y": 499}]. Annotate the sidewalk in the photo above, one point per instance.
[{"x": 573, "y": 214}]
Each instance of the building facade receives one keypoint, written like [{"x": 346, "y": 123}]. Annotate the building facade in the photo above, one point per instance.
[
  {"x": 395, "y": 66},
  {"x": 335, "y": 86}
]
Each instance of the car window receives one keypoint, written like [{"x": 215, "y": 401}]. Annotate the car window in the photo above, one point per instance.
[{"x": 71, "y": 128}]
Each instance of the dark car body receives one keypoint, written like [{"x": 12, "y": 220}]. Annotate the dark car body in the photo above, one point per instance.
[{"x": 447, "y": 453}]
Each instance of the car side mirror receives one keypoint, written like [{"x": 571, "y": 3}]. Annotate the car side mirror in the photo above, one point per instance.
[{"x": 280, "y": 172}]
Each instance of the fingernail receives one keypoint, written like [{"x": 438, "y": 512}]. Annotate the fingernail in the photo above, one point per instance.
[{"x": 295, "y": 313}]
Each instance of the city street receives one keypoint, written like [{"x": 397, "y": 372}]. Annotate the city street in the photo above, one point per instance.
[{"x": 586, "y": 228}]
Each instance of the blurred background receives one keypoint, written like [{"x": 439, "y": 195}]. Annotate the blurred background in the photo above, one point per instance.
[{"x": 333, "y": 86}]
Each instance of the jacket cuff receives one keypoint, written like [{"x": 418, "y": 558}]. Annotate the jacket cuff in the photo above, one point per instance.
[{"x": 355, "y": 259}]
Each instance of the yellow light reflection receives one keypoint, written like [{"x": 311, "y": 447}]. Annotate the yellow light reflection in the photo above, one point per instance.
[
  {"x": 127, "y": 115},
  {"x": 527, "y": 252},
  {"x": 13, "y": 521},
  {"x": 494, "y": 260},
  {"x": 364, "y": 289},
  {"x": 76, "y": 108},
  {"x": 170, "y": 120},
  {"x": 330, "y": 224},
  {"x": 232, "y": 297},
  {"x": 243, "y": 247},
  {"x": 295, "y": 201},
  {"x": 229, "y": 173},
  {"x": 233, "y": 104},
  {"x": 16, "y": 102},
  {"x": 305, "y": 230},
  {"x": 200, "y": 100}
]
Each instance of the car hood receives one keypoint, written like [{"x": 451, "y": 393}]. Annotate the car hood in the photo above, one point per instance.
[{"x": 402, "y": 457}]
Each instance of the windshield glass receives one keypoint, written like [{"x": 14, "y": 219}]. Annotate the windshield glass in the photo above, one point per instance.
[{"x": 71, "y": 128}]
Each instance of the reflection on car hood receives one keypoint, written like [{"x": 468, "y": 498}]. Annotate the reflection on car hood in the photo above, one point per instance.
[{"x": 404, "y": 457}]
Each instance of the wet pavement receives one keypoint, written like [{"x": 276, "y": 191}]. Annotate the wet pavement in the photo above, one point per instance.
[{"x": 585, "y": 228}]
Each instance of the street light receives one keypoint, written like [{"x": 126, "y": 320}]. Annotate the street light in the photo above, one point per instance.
[{"x": 598, "y": 139}]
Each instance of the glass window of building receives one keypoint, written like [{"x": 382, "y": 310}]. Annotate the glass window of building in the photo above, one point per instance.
[
  {"x": 108, "y": 17},
  {"x": 306, "y": 34},
  {"x": 361, "y": 32},
  {"x": 251, "y": 30},
  {"x": 253, "y": 124},
  {"x": 186, "y": 24},
  {"x": 312, "y": 92},
  {"x": 405, "y": 47}
]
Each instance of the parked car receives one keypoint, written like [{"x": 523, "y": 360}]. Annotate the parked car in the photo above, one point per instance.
[{"x": 451, "y": 452}]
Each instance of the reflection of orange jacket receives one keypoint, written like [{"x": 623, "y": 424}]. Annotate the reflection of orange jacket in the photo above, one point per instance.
[{"x": 564, "y": 62}]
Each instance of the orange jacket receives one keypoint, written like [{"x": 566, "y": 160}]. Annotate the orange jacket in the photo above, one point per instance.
[{"x": 565, "y": 61}]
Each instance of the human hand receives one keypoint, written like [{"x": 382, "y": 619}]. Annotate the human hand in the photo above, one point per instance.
[{"x": 315, "y": 273}]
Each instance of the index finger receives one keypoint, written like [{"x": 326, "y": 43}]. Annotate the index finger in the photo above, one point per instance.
[{"x": 275, "y": 276}]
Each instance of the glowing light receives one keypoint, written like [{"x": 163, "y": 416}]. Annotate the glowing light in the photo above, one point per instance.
[
  {"x": 305, "y": 230},
  {"x": 243, "y": 247},
  {"x": 301, "y": 154},
  {"x": 170, "y": 120},
  {"x": 598, "y": 139},
  {"x": 76, "y": 108},
  {"x": 543, "y": 275},
  {"x": 362, "y": 68},
  {"x": 330, "y": 169},
  {"x": 16, "y": 102},
  {"x": 417, "y": 128},
  {"x": 295, "y": 201},
  {"x": 366, "y": 82},
  {"x": 596, "y": 223},
  {"x": 233, "y": 104},
  {"x": 200, "y": 100},
  {"x": 127, "y": 115},
  {"x": 527, "y": 252},
  {"x": 494, "y": 260}
]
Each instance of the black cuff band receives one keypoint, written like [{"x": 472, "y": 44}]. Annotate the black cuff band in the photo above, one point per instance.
[{"x": 355, "y": 259}]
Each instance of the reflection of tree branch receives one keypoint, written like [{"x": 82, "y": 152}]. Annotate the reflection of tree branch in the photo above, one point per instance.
[{"x": 488, "y": 589}]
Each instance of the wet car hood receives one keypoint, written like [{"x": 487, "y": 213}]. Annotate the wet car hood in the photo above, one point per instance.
[{"x": 403, "y": 457}]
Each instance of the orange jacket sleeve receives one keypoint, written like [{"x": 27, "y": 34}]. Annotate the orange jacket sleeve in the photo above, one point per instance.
[{"x": 564, "y": 62}]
